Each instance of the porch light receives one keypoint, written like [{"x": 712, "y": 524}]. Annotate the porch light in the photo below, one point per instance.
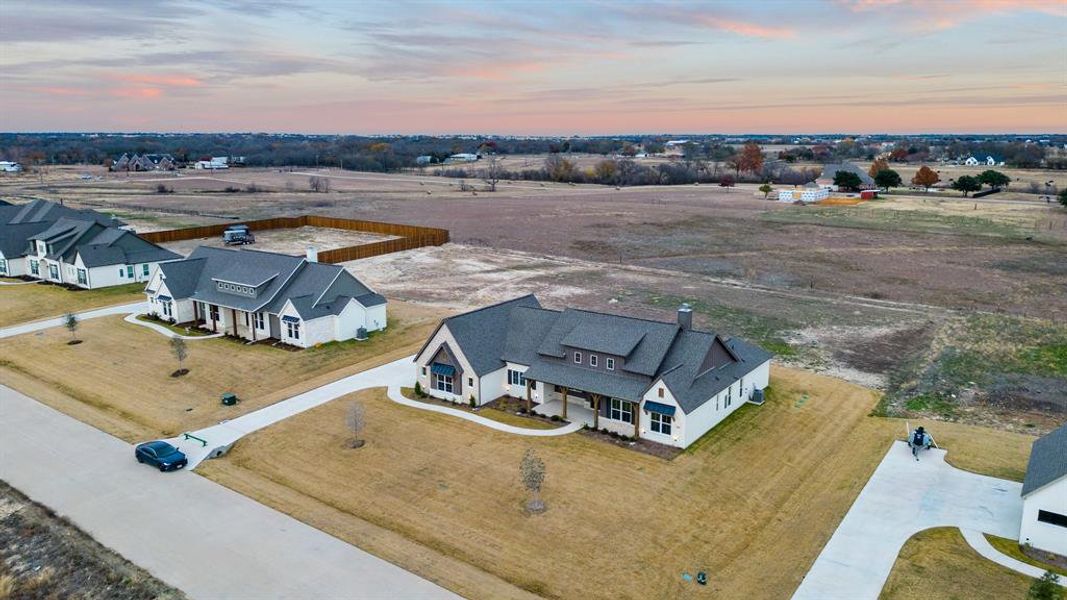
[{"x": 674, "y": 437}]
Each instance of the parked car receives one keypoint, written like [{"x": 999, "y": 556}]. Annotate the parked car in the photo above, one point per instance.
[
  {"x": 160, "y": 454},
  {"x": 238, "y": 235}
]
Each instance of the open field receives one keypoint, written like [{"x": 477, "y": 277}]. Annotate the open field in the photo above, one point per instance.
[
  {"x": 43, "y": 555},
  {"x": 100, "y": 383},
  {"x": 937, "y": 564},
  {"x": 1020, "y": 178},
  {"x": 287, "y": 241},
  {"x": 33, "y": 302},
  {"x": 867, "y": 292},
  {"x": 729, "y": 504}
]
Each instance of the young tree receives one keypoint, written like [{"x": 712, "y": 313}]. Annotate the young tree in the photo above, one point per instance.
[
  {"x": 877, "y": 167},
  {"x": 966, "y": 184},
  {"x": 925, "y": 177},
  {"x": 355, "y": 418},
  {"x": 70, "y": 321},
  {"x": 492, "y": 172},
  {"x": 766, "y": 189},
  {"x": 180, "y": 351},
  {"x": 847, "y": 180},
  {"x": 532, "y": 470},
  {"x": 994, "y": 179},
  {"x": 1046, "y": 587},
  {"x": 887, "y": 178}
]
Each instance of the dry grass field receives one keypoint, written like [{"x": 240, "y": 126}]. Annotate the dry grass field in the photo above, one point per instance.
[
  {"x": 119, "y": 379},
  {"x": 287, "y": 241},
  {"x": 33, "y": 302},
  {"x": 937, "y": 564},
  {"x": 441, "y": 497}
]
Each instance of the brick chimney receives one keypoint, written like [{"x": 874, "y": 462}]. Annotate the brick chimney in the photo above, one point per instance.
[{"x": 685, "y": 316}]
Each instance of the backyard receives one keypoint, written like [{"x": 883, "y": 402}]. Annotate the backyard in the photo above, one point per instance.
[
  {"x": 441, "y": 497},
  {"x": 99, "y": 383}
]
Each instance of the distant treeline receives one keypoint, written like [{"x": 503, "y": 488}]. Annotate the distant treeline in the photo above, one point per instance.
[{"x": 393, "y": 153}]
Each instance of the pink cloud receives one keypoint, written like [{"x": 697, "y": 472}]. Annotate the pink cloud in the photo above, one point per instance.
[
  {"x": 745, "y": 28},
  {"x": 60, "y": 91},
  {"x": 163, "y": 80},
  {"x": 924, "y": 15},
  {"x": 137, "y": 92}
]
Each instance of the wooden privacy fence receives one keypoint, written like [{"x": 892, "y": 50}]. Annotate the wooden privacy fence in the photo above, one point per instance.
[{"x": 408, "y": 236}]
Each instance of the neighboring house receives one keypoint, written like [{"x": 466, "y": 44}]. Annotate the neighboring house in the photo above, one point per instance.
[
  {"x": 19, "y": 223},
  {"x": 218, "y": 162},
  {"x": 975, "y": 160},
  {"x": 462, "y": 157},
  {"x": 1044, "y": 524},
  {"x": 665, "y": 382},
  {"x": 806, "y": 195},
  {"x": 7, "y": 166},
  {"x": 826, "y": 179},
  {"x": 90, "y": 255},
  {"x": 144, "y": 162},
  {"x": 263, "y": 295}
]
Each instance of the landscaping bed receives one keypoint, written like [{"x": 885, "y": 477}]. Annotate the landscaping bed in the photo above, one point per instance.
[
  {"x": 175, "y": 327},
  {"x": 499, "y": 410}
]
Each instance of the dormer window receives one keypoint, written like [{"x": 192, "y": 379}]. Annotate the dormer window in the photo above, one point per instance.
[
  {"x": 577, "y": 358},
  {"x": 593, "y": 360},
  {"x": 610, "y": 364}
]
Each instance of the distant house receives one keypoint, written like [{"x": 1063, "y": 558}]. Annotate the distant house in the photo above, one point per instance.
[
  {"x": 826, "y": 179},
  {"x": 1044, "y": 521},
  {"x": 662, "y": 381},
  {"x": 462, "y": 157},
  {"x": 424, "y": 159},
  {"x": 144, "y": 162},
  {"x": 263, "y": 295},
  {"x": 213, "y": 163},
  {"x": 7, "y": 166},
  {"x": 50, "y": 242},
  {"x": 973, "y": 161}
]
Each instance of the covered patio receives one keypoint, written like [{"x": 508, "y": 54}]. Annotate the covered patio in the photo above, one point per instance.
[{"x": 575, "y": 413}]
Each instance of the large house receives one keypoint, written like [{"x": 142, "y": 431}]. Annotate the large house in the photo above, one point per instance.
[
  {"x": 263, "y": 295},
  {"x": 1044, "y": 524},
  {"x": 144, "y": 162},
  {"x": 662, "y": 381},
  {"x": 48, "y": 241}
]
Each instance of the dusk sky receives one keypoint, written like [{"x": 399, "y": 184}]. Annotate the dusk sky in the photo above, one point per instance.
[{"x": 538, "y": 68}]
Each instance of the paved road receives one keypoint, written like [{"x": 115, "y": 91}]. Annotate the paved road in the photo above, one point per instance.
[
  {"x": 120, "y": 309},
  {"x": 390, "y": 375},
  {"x": 190, "y": 532},
  {"x": 902, "y": 498}
]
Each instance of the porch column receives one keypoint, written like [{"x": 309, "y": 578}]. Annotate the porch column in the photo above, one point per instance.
[
  {"x": 214, "y": 324},
  {"x": 596, "y": 411},
  {"x": 233, "y": 311},
  {"x": 252, "y": 326},
  {"x": 637, "y": 419},
  {"x": 529, "y": 398},
  {"x": 564, "y": 402},
  {"x": 196, "y": 312}
]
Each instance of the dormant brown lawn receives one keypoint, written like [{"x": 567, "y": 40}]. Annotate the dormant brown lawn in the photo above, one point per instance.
[
  {"x": 33, "y": 302},
  {"x": 441, "y": 496}
]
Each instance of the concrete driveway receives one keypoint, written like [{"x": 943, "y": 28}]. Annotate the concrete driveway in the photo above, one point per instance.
[
  {"x": 188, "y": 531},
  {"x": 902, "y": 498}
]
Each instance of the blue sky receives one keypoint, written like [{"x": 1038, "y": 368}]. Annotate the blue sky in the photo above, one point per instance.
[{"x": 534, "y": 67}]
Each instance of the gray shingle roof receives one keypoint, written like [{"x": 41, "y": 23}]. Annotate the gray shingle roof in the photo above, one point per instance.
[
  {"x": 15, "y": 238},
  {"x": 43, "y": 210},
  {"x": 829, "y": 170},
  {"x": 1048, "y": 461},
  {"x": 316, "y": 289},
  {"x": 695, "y": 365}
]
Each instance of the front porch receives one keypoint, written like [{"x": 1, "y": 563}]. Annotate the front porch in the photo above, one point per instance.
[{"x": 576, "y": 412}]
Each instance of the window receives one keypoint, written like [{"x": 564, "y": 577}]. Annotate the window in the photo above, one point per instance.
[
  {"x": 729, "y": 395},
  {"x": 470, "y": 382},
  {"x": 442, "y": 383},
  {"x": 53, "y": 272},
  {"x": 592, "y": 360},
  {"x": 122, "y": 272},
  {"x": 35, "y": 268},
  {"x": 577, "y": 358},
  {"x": 621, "y": 411},
  {"x": 610, "y": 364},
  {"x": 660, "y": 392},
  {"x": 3, "y": 266},
  {"x": 214, "y": 311},
  {"x": 82, "y": 279},
  {"x": 258, "y": 319},
  {"x": 1045, "y": 516},
  {"x": 516, "y": 377},
  {"x": 129, "y": 271},
  {"x": 293, "y": 329},
  {"x": 168, "y": 309},
  {"x": 424, "y": 371},
  {"x": 660, "y": 423},
  {"x": 41, "y": 248},
  {"x": 144, "y": 269}
]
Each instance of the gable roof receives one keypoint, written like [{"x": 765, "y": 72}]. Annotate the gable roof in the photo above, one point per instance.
[
  {"x": 695, "y": 365},
  {"x": 831, "y": 169},
  {"x": 15, "y": 238},
  {"x": 1048, "y": 461},
  {"x": 315, "y": 289},
  {"x": 38, "y": 211}
]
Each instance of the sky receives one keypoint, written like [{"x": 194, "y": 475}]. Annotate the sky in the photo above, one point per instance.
[{"x": 534, "y": 67}]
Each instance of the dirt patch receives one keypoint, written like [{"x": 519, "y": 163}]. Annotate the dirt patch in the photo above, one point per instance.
[
  {"x": 46, "y": 556},
  {"x": 287, "y": 241}
]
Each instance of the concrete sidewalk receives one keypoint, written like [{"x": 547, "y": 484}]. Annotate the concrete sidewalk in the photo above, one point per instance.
[
  {"x": 188, "y": 531},
  {"x": 121, "y": 309},
  {"x": 902, "y": 498}
]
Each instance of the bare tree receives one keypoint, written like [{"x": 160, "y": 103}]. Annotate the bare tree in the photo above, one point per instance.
[
  {"x": 492, "y": 172},
  {"x": 356, "y": 420},
  {"x": 70, "y": 321},
  {"x": 532, "y": 470},
  {"x": 319, "y": 184},
  {"x": 180, "y": 351}
]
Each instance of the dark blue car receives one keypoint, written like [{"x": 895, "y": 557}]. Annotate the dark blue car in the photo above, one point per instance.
[{"x": 160, "y": 454}]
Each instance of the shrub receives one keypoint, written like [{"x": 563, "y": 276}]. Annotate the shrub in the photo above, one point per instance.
[
  {"x": 418, "y": 389},
  {"x": 522, "y": 410},
  {"x": 231, "y": 189},
  {"x": 162, "y": 189},
  {"x": 472, "y": 402},
  {"x": 556, "y": 418}
]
